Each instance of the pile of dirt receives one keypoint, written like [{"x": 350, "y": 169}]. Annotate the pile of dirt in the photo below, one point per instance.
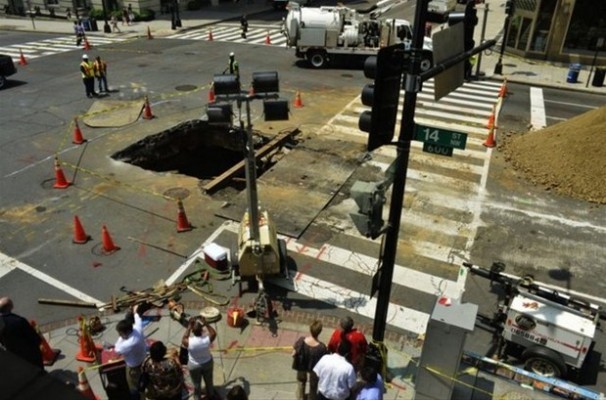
[{"x": 569, "y": 157}]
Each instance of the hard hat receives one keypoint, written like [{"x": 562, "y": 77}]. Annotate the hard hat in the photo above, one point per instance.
[
  {"x": 84, "y": 57},
  {"x": 231, "y": 54}
]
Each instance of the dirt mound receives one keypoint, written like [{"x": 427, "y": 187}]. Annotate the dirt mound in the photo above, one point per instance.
[{"x": 569, "y": 157}]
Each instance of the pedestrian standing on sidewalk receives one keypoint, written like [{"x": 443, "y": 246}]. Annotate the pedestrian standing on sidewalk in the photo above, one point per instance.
[
  {"x": 100, "y": 68},
  {"x": 371, "y": 384},
  {"x": 125, "y": 19},
  {"x": 359, "y": 345},
  {"x": 18, "y": 336},
  {"x": 131, "y": 345},
  {"x": 307, "y": 351},
  {"x": 114, "y": 23},
  {"x": 200, "y": 363},
  {"x": 336, "y": 376},
  {"x": 87, "y": 69},
  {"x": 162, "y": 376}
]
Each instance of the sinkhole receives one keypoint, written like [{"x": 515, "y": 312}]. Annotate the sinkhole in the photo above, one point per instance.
[{"x": 198, "y": 149}]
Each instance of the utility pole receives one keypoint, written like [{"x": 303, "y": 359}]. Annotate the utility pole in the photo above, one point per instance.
[{"x": 412, "y": 85}]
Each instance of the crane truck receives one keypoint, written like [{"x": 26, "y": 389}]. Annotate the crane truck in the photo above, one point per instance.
[
  {"x": 321, "y": 34},
  {"x": 552, "y": 333}
]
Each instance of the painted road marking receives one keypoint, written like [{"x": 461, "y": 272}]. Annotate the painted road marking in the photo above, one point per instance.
[
  {"x": 537, "y": 109},
  {"x": 8, "y": 264}
]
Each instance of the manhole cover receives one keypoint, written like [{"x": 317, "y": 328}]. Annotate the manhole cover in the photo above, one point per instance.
[
  {"x": 186, "y": 88},
  {"x": 177, "y": 193}
]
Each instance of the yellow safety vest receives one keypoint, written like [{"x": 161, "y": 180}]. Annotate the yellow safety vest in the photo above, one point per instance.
[
  {"x": 100, "y": 68},
  {"x": 89, "y": 71}
]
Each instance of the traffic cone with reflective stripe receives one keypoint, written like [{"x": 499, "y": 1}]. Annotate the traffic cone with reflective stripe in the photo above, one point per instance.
[
  {"x": 490, "y": 123},
  {"x": 84, "y": 387},
  {"x": 88, "y": 349},
  {"x": 183, "y": 224},
  {"x": 211, "y": 93},
  {"x": 267, "y": 38},
  {"x": 503, "y": 90},
  {"x": 78, "y": 139},
  {"x": 298, "y": 101},
  {"x": 149, "y": 35},
  {"x": 490, "y": 141},
  {"x": 210, "y": 35},
  {"x": 22, "y": 60},
  {"x": 80, "y": 237},
  {"x": 147, "y": 112},
  {"x": 60, "y": 181},
  {"x": 108, "y": 244},
  {"x": 49, "y": 355},
  {"x": 87, "y": 45}
]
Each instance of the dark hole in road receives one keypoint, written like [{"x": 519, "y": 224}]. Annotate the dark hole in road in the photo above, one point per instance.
[{"x": 192, "y": 148}]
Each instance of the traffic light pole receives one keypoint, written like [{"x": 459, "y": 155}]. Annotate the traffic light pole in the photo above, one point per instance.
[{"x": 412, "y": 85}]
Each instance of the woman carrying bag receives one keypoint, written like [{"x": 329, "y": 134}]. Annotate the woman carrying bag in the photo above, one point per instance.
[{"x": 307, "y": 351}]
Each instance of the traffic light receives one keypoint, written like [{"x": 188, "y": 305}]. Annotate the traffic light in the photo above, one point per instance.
[
  {"x": 509, "y": 8},
  {"x": 370, "y": 198},
  {"x": 383, "y": 96},
  {"x": 471, "y": 20}
]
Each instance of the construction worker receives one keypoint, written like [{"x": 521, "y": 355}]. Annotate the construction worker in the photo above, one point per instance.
[
  {"x": 232, "y": 66},
  {"x": 100, "y": 68},
  {"x": 88, "y": 76}
]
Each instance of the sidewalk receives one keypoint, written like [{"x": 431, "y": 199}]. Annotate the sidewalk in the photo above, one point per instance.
[
  {"x": 515, "y": 69},
  {"x": 260, "y": 361}
]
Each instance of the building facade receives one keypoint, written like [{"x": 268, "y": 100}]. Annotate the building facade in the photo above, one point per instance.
[{"x": 558, "y": 30}]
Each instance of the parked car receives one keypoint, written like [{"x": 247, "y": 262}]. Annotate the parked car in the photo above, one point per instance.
[{"x": 7, "y": 68}]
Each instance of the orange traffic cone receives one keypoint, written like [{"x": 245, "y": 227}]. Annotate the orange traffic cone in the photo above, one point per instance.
[
  {"x": 183, "y": 224},
  {"x": 490, "y": 123},
  {"x": 503, "y": 90},
  {"x": 149, "y": 35},
  {"x": 267, "y": 38},
  {"x": 49, "y": 355},
  {"x": 84, "y": 387},
  {"x": 490, "y": 141},
  {"x": 211, "y": 93},
  {"x": 78, "y": 139},
  {"x": 147, "y": 112},
  {"x": 210, "y": 35},
  {"x": 60, "y": 181},
  {"x": 87, "y": 45},
  {"x": 22, "y": 60},
  {"x": 298, "y": 101},
  {"x": 88, "y": 349},
  {"x": 108, "y": 244},
  {"x": 80, "y": 237}
]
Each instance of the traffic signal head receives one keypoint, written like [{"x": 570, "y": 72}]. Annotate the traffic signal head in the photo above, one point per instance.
[
  {"x": 509, "y": 8},
  {"x": 383, "y": 96},
  {"x": 370, "y": 198}
]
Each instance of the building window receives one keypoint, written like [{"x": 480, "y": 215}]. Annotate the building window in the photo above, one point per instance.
[
  {"x": 587, "y": 25},
  {"x": 543, "y": 25}
]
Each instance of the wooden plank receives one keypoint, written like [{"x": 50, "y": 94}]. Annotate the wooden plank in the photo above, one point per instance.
[{"x": 276, "y": 141}]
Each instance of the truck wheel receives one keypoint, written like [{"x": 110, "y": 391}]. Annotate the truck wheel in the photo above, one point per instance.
[
  {"x": 2, "y": 81},
  {"x": 544, "y": 361},
  {"x": 317, "y": 58}
]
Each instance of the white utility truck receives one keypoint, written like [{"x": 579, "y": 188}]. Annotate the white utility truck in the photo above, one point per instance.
[
  {"x": 320, "y": 34},
  {"x": 552, "y": 333}
]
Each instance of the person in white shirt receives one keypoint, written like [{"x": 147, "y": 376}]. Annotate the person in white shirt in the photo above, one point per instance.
[
  {"x": 335, "y": 374},
  {"x": 200, "y": 362},
  {"x": 131, "y": 346}
]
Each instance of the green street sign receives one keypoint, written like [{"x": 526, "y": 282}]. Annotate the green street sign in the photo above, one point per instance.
[
  {"x": 439, "y": 136},
  {"x": 437, "y": 149}
]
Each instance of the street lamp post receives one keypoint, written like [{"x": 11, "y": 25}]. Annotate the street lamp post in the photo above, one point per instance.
[
  {"x": 106, "y": 27},
  {"x": 177, "y": 17},
  {"x": 498, "y": 68}
]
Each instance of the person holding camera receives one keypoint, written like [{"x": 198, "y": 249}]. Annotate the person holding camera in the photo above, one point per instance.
[{"x": 200, "y": 360}]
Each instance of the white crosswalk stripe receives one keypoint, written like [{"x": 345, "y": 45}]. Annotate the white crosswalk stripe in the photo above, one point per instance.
[
  {"x": 233, "y": 33},
  {"x": 47, "y": 47}
]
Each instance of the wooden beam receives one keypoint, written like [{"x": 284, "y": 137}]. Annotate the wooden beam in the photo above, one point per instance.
[
  {"x": 69, "y": 303},
  {"x": 211, "y": 186}
]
